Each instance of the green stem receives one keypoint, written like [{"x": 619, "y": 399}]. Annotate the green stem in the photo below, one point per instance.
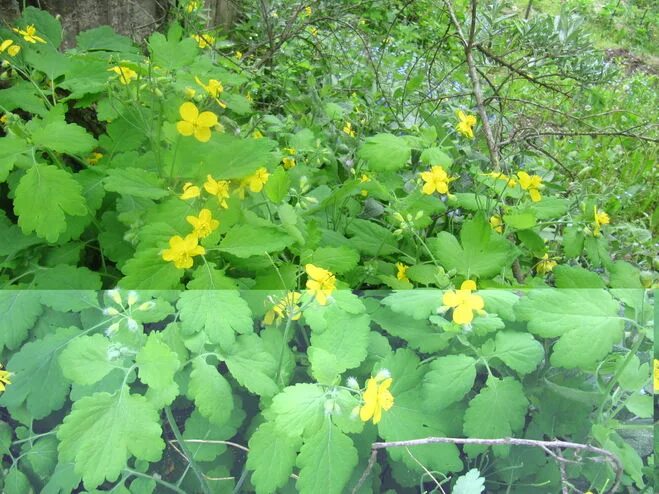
[
  {"x": 284, "y": 343},
  {"x": 156, "y": 479},
  {"x": 186, "y": 452}
]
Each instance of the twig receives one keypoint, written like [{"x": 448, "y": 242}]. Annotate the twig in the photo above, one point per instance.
[{"x": 556, "y": 444}]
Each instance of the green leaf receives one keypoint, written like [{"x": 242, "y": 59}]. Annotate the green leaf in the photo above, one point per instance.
[
  {"x": 20, "y": 310},
  {"x": 417, "y": 332},
  {"x": 418, "y": 304},
  {"x": 148, "y": 270},
  {"x": 272, "y": 458},
  {"x": 470, "y": 483},
  {"x": 521, "y": 220},
  {"x": 104, "y": 430},
  {"x": 64, "y": 138},
  {"x": 299, "y": 409},
  {"x": 346, "y": 338},
  {"x": 44, "y": 196},
  {"x": 135, "y": 182},
  {"x": 573, "y": 240},
  {"x": 78, "y": 281},
  {"x": 326, "y": 461},
  {"x": 38, "y": 381},
  {"x": 483, "y": 253},
  {"x": 171, "y": 53},
  {"x": 576, "y": 277},
  {"x": 211, "y": 392},
  {"x": 497, "y": 411},
  {"x": 10, "y": 150},
  {"x": 371, "y": 238},
  {"x": 22, "y": 95},
  {"x": 86, "y": 359},
  {"x": 277, "y": 186},
  {"x": 436, "y": 156},
  {"x": 338, "y": 260},
  {"x": 157, "y": 363},
  {"x": 450, "y": 378},
  {"x": 106, "y": 39},
  {"x": 586, "y": 321},
  {"x": 219, "y": 313},
  {"x": 16, "y": 483},
  {"x": 624, "y": 275},
  {"x": 250, "y": 240},
  {"x": 199, "y": 428},
  {"x": 252, "y": 365},
  {"x": 519, "y": 351},
  {"x": 47, "y": 26},
  {"x": 385, "y": 152},
  {"x": 41, "y": 456},
  {"x": 64, "y": 480}
]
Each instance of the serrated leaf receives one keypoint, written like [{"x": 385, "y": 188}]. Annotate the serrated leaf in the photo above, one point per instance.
[
  {"x": 135, "y": 182},
  {"x": 219, "y": 313},
  {"x": 16, "y": 483},
  {"x": 20, "y": 310},
  {"x": 252, "y": 365},
  {"x": 249, "y": 240},
  {"x": 450, "y": 378},
  {"x": 586, "y": 321},
  {"x": 11, "y": 149},
  {"x": 64, "y": 479},
  {"x": 38, "y": 381},
  {"x": 497, "y": 411},
  {"x": 104, "y": 38},
  {"x": 64, "y": 138},
  {"x": 299, "y": 409},
  {"x": 469, "y": 483},
  {"x": 326, "y": 461},
  {"x": 211, "y": 392},
  {"x": 480, "y": 252},
  {"x": 417, "y": 332},
  {"x": 519, "y": 351},
  {"x": 44, "y": 197},
  {"x": 385, "y": 152},
  {"x": 418, "y": 304},
  {"x": 85, "y": 360},
  {"x": 148, "y": 270},
  {"x": 198, "y": 428},
  {"x": 271, "y": 457},
  {"x": 371, "y": 238},
  {"x": 338, "y": 260},
  {"x": 157, "y": 363},
  {"x": 346, "y": 338},
  {"x": 41, "y": 456},
  {"x": 104, "y": 430},
  {"x": 576, "y": 277}
]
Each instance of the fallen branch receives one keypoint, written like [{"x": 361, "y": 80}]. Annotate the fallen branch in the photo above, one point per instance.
[{"x": 547, "y": 446}]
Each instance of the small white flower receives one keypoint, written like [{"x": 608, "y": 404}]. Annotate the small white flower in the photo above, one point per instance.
[
  {"x": 352, "y": 383},
  {"x": 115, "y": 296},
  {"x": 132, "y": 324},
  {"x": 382, "y": 375},
  {"x": 132, "y": 298}
]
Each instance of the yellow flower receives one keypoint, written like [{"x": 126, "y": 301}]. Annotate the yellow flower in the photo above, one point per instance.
[
  {"x": 204, "y": 40},
  {"x": 601, "y": 218},
  {"x": 288, "y": 162},
  {"x": 4, "y": 378},
  {"x": 347, "y": 129},
  {"x": 257, "y": 180},
  {"x": 656, "y": 375},
  {"x": 30, "y": 34},
  {"x": 182, "y": 250},
  {"x": 11, "y": 48},
  {"x": 190, "y": 191},
  {"x": 364, "y": 179},
  {"x": 377, "y": 397},
  {"x": 463, "y": 302},
  {"x": 193, "y": 5},
  {"x": 214, "y": 88},
  {"x": 436, "y": 180},
  {"x": 195, "y": 123},
  {"x": 190, "y": 92},
  {"x": 532, "y": 184},
  {"x": 291, "y": 151},
  {"x": 307, "y": 11},
  {"x": 126, "y": 74},
  {"x": 321, "y": 283},
  {"x": 4, "y": 119},
  {"x": 257, "y": 134},
  {"x": 496, "y": 223},
  {"x": 545, "y": 265},
  {"x": 238, "y": 55},
  {"x": 466, "y": 124},
  {"x": 313, "y": 30},
  {"x": 288, "y": 305},
  {"x": 94, "y": 158},
  {"x": 401, "y": 271},
  {"x": 218, "y": 188},
  {"x": 204, "y": 224}
]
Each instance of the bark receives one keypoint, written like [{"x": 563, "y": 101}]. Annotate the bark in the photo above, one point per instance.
[
  {"x": 223, "y": 13},
  {"x": 133, "y": 18},
  {"x": 8, "y": 10}
]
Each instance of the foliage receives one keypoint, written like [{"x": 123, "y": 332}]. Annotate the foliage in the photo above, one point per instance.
[{"x": 89, "y": 385}]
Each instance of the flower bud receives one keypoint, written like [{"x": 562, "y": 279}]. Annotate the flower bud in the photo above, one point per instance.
[
  {"x": 110, "y": 311},
  {"x": 132, "y": 298},
  {"x": 115, "y": 296}
]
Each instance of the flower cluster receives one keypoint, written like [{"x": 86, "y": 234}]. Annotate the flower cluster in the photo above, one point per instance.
[
  {"x": 466, "y": 124},
  {"x": 599, "y": 218},
  {"x": 183, "y": 250},
  {"x": 532, "y": 184},
  {"x": 545, "y": 265},
  {"x": 287, "y": 306},
  {"x": 10, "y": 47},
  {"x": 124, "y": 312},
  {"x": 124, "y": 74}
]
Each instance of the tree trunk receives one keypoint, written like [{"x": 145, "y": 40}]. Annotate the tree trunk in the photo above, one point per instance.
[{"x": 133, "y": 18}]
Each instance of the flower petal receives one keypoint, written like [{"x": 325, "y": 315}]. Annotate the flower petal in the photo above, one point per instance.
[
  {"x": 202, "y": 134},
  {"x": 207, "y": 119},
  {"x": 184, "y": 128},
  {"x": 188, "y": 112}
]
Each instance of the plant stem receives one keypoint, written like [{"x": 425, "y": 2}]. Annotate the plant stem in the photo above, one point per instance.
[
  {"x": 195, "y": 468},
  {"x": 157, "y": 480}
]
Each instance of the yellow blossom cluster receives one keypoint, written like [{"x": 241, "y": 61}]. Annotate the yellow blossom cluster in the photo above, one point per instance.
[
  {"x": 287, "y": 306},
  {"x": 124, "y": 74},
  {"x": 320, "y": 283},
  {"x": 435, "y": 180},
  {"x": 182, "y": 250},
  {"x": 466, "y": 124},
  {"x": 376, "y": 397},
  {"x": 463, "y": 302}
]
